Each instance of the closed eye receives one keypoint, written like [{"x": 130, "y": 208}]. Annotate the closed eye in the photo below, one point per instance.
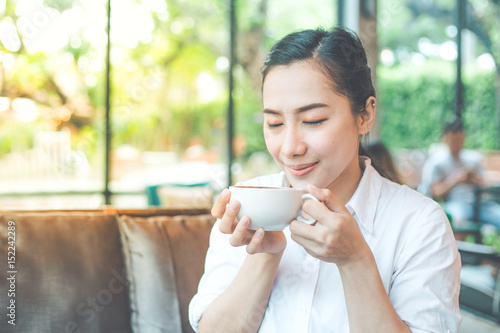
[
  {"x": 274, "y": 125},
  {"x": 314, "y": 122}
]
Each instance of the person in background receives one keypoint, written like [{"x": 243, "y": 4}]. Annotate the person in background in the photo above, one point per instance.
[
  {"x": 452, "y": 175},
  {"x": 380, "y": 258},
  {"x": 382, "y": 158}
]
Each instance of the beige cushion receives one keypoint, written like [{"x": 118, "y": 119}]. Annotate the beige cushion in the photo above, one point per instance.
[{"x": 164, "y": 261}]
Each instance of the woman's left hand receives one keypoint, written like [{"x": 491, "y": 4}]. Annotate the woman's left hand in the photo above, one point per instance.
[{"x": 336, "y": 236}]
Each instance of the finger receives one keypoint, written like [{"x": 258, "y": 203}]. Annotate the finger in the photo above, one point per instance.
[
  {"x": 304, "y": 235},
  {"x": 303, "y": 230},
  {"x": 254, "y": 244},
  {"x": 220, "y": 204},
  {"x": 239, "y": 236},
  {"x": 228, "y": 220},
  {"x": 317, "y": 210},
  {"x": 326, "y": 220},
  {"x": 326, "y": 196}
]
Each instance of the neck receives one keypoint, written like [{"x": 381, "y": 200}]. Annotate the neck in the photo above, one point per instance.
[
  {"x": 455, "y": 154},
  {"x": 344, "y": 186}
]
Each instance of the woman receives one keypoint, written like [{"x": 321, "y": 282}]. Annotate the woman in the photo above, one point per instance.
[{"x": 381, "y": 257}]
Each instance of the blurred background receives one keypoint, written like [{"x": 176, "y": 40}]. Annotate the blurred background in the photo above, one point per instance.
[
  {"x": 156, "y": 103},
  {"x": 171, "y": 101}
]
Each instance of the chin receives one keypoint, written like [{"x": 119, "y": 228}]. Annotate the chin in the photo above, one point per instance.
[
  {"x": 297, "y": 183},
  {"x": 303, "y": 182}
]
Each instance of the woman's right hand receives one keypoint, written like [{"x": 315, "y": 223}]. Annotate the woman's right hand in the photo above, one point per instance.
[{"x": 257, "y": 241}]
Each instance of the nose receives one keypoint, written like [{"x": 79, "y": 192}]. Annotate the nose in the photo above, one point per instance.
[{"x": 293, "y": 144}]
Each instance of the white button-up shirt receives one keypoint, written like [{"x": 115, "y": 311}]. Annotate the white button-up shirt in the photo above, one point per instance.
[{"x": 413, "y": 246}]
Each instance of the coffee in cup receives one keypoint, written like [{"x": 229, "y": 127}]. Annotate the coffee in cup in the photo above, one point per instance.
[{"x": 271, "y": 208}]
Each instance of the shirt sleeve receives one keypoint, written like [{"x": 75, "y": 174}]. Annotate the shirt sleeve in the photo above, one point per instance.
[
  {"x": 425, "y": 183},
  {"x": 222, "y": 263},
  {"x": 479, "y": 169},
  {"x": 426, "y": 280},
  {"x": 431, "y": 173}
]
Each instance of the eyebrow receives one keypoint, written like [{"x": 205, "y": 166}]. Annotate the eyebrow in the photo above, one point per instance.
[{"x": 301, "y": 109}]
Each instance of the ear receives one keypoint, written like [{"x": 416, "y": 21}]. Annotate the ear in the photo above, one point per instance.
[{"x": 367, "y": 117}]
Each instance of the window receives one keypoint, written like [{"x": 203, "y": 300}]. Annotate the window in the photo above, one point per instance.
[{"x": 169, "y": 63}]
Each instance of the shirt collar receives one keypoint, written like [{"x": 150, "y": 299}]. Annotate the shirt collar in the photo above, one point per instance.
[{"x": 363, "y": 203}]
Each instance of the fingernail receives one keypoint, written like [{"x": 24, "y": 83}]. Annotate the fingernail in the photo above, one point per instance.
[
  {"x": 233, "y": 205},
  {"x": 224, "y": 194},
  {"x": 259, "y": 232},
  {"x": 245, "y": 221}
]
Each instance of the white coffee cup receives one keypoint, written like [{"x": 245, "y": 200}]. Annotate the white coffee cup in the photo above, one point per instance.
[{"x": 271, "y": 208}]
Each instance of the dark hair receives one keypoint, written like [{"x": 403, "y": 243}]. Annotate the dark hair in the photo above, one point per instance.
[
  {"x": 338, "y": 53},
  {"x": 453, "y": 126},
  {"x": 382, "y": 161}
]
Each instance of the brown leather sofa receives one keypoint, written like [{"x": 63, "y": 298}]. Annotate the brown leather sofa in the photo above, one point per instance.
[{"x": 101, "y": 271}]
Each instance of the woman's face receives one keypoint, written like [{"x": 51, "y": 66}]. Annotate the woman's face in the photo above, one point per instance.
[{"x": 309, "y": 129}]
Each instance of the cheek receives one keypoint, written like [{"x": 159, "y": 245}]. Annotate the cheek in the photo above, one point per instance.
[
  {"x": 272, "y": 143},
  {"x": 334, "y": 144},
  {"x": 323, "y": 143}
]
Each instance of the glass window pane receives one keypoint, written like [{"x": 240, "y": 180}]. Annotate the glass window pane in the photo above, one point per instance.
[
  {"x": 51, "y": 95},
  {"x": 170, "y": 65},
  {"x": 417, "y": 73}
]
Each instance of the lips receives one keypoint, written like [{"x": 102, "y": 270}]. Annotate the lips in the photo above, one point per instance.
[{"x": 301, "y": 169}]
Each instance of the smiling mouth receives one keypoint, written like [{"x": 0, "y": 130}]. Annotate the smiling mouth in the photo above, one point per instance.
[{"x": 301, "y": 169}]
